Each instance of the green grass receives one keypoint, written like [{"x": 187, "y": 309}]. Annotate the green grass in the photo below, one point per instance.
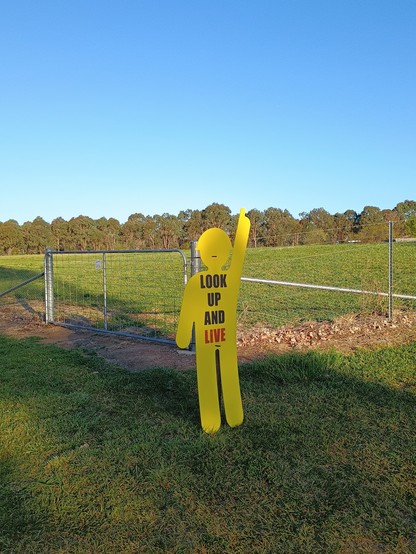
[
  {"x": 15, "y": 270},
  {"x": 147, "y": 289},
  {"x": 95, "y": 459}
]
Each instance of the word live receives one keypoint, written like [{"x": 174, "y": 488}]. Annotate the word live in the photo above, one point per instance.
[{"x": 214, "y": 335}]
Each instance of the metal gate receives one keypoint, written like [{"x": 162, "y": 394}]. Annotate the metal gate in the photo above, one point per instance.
[{"x": 135, "y": 293}]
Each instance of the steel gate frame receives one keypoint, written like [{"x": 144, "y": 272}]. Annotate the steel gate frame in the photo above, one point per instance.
[{"x": 50, "y": 281}]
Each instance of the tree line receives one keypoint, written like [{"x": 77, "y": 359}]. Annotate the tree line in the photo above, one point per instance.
[{"x": 271, "y": 227}]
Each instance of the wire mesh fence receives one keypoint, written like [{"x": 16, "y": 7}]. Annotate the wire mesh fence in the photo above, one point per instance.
[
  {"x": 363, "y": 267},
  {"x": 135, "y": 293},
  {"x": 139, "y": 293}
]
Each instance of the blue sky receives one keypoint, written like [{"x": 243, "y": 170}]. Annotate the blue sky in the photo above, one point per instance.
[{"x": 109, "y": 108}]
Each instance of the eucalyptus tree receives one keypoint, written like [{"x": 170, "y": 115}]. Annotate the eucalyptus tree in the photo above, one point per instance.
[
  {"x": 192, "y": 225},
  {"x": 60, "y": 233},
  {"x": 108, "y": 233},
  {"x": 82, "y": 233},
  {"x": 11, "y": 239},
  {"x": 318, "y": 226},
  {"x": 372, "y": 225},
  {"x": 132, "y": 231},
  {"x": 279, "y": 227},
  {"x": 149, "y": 232},
  {"x": 168, "y": 230},
  {"x": 407, "y": 214},
  {"x": 216, "y": 215},
  {"x": 256, "y": 218},
  {"x": 37, "y": 236},
  {"x": 343, "y": 227}
]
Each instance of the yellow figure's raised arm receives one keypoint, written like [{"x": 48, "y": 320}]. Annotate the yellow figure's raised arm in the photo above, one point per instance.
[{"x": 240, "y": 243}]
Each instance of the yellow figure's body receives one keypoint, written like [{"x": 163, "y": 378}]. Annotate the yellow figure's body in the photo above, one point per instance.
[{"x": 210, "y": 303}]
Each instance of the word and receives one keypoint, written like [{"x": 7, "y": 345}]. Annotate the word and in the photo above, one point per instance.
[{"x": 214, "y": 317}]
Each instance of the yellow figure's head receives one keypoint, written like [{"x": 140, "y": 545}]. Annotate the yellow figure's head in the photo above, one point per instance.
[{"x": 214, "y": 246}]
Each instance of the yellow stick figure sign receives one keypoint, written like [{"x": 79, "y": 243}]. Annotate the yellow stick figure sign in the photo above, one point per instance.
[{"x": 210, "y": 303}]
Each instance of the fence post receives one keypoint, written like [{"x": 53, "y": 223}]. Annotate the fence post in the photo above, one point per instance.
[
  {"x": 390, "y": 270},
  {"x": 195, "y": 259},
  {"x": 195, "y": 268},
  {"x": 48, "y": 268},
  {"x": 105, "y": 291}
]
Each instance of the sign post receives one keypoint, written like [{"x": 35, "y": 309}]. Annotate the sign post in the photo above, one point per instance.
[{"x": 210, "y": 306}]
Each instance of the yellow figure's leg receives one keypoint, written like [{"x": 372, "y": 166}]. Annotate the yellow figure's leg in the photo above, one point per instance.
[
  {"x": 209, "y": 406},
  {"x": 231, "y": 389}
]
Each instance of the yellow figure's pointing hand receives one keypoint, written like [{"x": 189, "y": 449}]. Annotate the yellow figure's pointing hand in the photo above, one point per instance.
[{"x": 210, "y": 303}]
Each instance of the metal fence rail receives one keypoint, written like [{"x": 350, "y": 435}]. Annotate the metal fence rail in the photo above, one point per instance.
[
  {"x": 134, "y": 293},
  {"x": 327, "y": 287},
  {"x": 287, "y": 285},
  {"x": 390, "y": 295}
]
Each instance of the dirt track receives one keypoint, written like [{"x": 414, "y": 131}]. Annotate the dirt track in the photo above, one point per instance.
[
  {"x": 345, "y": 334},
  {"x": 129, "y": 353}
]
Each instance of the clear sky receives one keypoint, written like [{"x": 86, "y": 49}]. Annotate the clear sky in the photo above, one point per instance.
[{"x": 112, "y": 107}]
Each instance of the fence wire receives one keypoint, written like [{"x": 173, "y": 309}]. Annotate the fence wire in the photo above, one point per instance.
[
  {"x": 135, "y": 293},
  {"x": 286, "y": 285},
  {"x": 140, "y": 293}
]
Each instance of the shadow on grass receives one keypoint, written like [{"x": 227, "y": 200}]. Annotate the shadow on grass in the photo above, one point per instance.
[
  {"x": 324, "y": 461},
  {"x": 25, "y": 296},
  {"x": 13, "y": 515},
  {"x": 82, "y": 302}
]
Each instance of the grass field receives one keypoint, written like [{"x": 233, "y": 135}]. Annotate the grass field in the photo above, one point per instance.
[
  {"x": 149, "y": 293},
  {"x": 94, "y": 459},
  {"x": 342, "y": 265}
]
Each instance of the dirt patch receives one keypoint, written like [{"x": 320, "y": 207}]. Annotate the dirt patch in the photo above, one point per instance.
[
  {"x": 132, "y": 354},
  {"x": 346, "y": 334}
]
